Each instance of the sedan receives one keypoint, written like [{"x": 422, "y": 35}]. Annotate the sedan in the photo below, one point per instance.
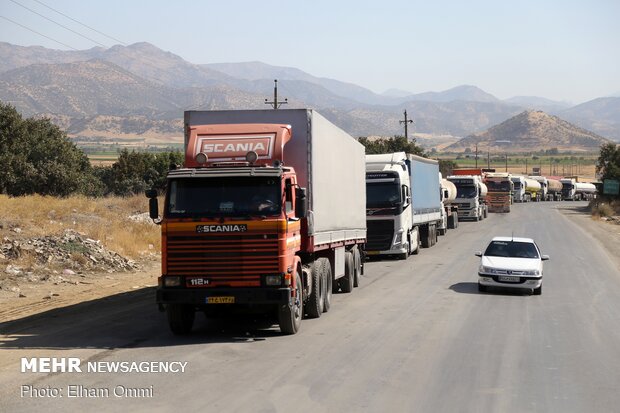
[{"x": 511, "y": 263}]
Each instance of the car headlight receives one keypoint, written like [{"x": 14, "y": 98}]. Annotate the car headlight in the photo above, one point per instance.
[
  {"x": 531, "y": 272},
  {"x": 487, "y": 270}
]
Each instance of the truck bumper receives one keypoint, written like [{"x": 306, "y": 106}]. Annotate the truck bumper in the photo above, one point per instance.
[
  {"x": 243, "y": 296},
  {"x": 393, "y": 251}
]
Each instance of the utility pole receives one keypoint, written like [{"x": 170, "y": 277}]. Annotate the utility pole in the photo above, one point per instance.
[
  {"x": 488, "y": 158},
  {"x": 275, "y": 104},
  {"x": 506, "y": 155},
  {"x": 406, "y": 122},
  {"x": 526, "y": 166},
  {"x": 476, "y": 156}
]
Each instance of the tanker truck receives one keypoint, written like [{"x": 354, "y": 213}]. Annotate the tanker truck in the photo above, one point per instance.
[
  {"x": 532, "y": 190},
  {"x": 554, "y": 189},
  {"x": 518, "y": 192},
  {"x": 584, "y": 191},
  {"x": 470, "y": 196},
  {"x": 544, "y": 187},
  {"x": 266, "y": 216},
  {"x": 450, "y": 211},
  {"x": 500, "y": 187}
]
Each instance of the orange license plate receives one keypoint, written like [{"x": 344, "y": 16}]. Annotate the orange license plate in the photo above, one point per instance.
[{"x": 220, "y": 300}]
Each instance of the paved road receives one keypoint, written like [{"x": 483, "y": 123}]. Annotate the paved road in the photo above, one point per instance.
[{"x": 417, "y": 336}]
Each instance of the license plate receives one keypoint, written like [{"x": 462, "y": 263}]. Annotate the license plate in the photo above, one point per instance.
[
  {"x": 220, "y": 300},
  {"x": 509, "y": 279}
]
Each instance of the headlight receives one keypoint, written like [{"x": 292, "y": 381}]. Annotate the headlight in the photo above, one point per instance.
[
  {"x": 273, "y": 280},
  {"x": 398, "y": 239},
  {"x": 172, "y": 281},
  {"x": 531, "y": 272},
  {"x": 487, "y": 270}
]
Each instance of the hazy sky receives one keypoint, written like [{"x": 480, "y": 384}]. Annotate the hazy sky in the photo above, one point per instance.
[{"x": 559, "y": 49}]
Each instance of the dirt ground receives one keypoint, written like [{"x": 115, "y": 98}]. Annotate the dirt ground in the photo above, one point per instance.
[{"x": 62, "y": 290}]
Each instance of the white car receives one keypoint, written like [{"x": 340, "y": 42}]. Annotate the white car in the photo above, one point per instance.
[{"x": 511, "y": 263}]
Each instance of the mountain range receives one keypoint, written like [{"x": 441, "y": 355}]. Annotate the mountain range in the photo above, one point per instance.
[{"x": 142, "y": 90}]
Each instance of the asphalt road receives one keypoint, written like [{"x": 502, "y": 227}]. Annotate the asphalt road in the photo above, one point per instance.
[{"x": 416, "y": 336}]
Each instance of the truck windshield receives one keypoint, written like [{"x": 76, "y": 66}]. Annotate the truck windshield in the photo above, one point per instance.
[
  {"x": 382, "y": 194},
  {"x": 209, "y": 197},
  {"x": 517, "y": 185},
  {"x": 498, "y": 186},
  {"x": 511, "y": 249},
  {"x": 567, "y": 186},
  {"x": 468, "y": 191}
]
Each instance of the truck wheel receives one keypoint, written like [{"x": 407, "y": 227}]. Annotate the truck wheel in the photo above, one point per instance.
[
  {"x": 416, "y": 251},
  {"x": 314, "y": 305},
  {"x": 425, "y": 234},
  {"x": 289, "y": 316},
  {"x": 347, "y": 282},
  {"x": 486, "y": 213},
  {"x": 327, "y": 280},
  {"x": 180, "y": 318},
  {"x": 357, "y": 267}
]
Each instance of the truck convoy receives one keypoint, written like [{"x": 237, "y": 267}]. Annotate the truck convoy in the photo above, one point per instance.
[
  {"x": 266, "y": 215},
  {"x": 470, "y": 196},
  {"x": 403, "y": 205},
  {"x": 500, "y": 189}
]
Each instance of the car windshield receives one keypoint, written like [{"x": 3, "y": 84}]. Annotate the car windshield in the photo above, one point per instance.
[
  {"x": 511, "y": 249},
  {"x": 208, "y": 197}
]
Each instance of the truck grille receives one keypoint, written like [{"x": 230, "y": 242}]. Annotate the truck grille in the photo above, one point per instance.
[
  {"x": 380, "y": 234},
  {"x": 223, "y": 259}
]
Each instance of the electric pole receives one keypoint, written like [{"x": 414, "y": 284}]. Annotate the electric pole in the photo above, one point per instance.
[
  {"x": 275, "y": 104},
  {"x": 406, "y": 122},
  {"x": 476, "y": 156}
]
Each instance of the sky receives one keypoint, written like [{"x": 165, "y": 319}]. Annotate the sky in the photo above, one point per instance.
[{"x": 563, "y": 50}]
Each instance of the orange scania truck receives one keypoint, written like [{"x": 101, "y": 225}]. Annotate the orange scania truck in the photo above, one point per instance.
[{"x": 267, "y": 214}]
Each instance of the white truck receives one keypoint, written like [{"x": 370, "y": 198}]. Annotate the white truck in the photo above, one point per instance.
[
  {"x": 518, "y": 194},
  {"x": 568, "y": 189},
  {"x": 470, "y": 196},
  {"x": 403, "y": 206}
]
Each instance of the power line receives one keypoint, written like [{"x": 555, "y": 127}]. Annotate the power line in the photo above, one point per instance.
[
  {"x": 61, "y": 25},
  {"x": 40, "y": 34},
  {"x": 78, "y": 22}
]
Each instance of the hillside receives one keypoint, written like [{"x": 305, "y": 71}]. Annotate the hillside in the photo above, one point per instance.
[
  {"x": 532, "y": 131},
  {"x": 600, "y": 115}
]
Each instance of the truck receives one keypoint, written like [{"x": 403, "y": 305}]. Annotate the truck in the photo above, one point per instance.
[
  {"x": 450, "y": 211},
  {"x": 544, "y": 187},
  {"x": 425, "y": 198},
  {"x": 265, "y": 216},
  {"x": 518, "y": 192},
  {"x": 584, "y": 190},
  {"x": 554, "y": 189},
  {"x": 500, "y": 188},
  {"x": 532, "y": 190},
  {"x": 389, "y": 219},
  {"x": 568, "y": 189},
  {"x": 470, "y": 196},
  {"x": 403, "y": 205}
]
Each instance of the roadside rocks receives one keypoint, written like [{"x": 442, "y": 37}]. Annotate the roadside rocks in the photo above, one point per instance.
[{"x": 72, "y": 250}]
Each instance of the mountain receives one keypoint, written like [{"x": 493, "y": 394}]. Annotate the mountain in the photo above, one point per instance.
[
  {"x": 600, "y": 115},
  {"x": 532, "y": 131},
  {"x": 538, "y": 103},
  {"x": 396, "y": 93},
  {"x": 465, "y": 93}
]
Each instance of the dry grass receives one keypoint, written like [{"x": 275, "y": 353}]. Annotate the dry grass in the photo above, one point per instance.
[
  {"x": 600, "y": 208},
  {"x": 104, "y": 219}
]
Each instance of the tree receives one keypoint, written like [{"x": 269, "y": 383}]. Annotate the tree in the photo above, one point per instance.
[
  {"x": 38, "y": 157},
  {"x": 608, "y": 164},
  {"x": 389, "y": 145},
  {"x": 446, "y": 167}
]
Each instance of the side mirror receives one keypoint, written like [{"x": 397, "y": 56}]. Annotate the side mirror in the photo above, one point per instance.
[
  {"x": 153, "y": 208},
  {"x": 301, "y": 203},
  {"x": 544, "y": 257},
  {"x": 478, "y": 254}
]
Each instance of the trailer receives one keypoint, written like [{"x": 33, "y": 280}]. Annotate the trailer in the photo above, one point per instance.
[
  {"x": 425, "y": 198},
  {"x": 450, "y": 210},
  {"x": 266, "y": 215}
]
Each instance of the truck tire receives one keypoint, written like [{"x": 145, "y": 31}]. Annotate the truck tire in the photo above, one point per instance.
[
  {"x": 416, "y": 251},
  {"x": 453, "y": 221},
  {"x": 357, "y": 269},
  {"x": 314, "y": 305},
  {"x": 289, "y": 316},
  {"x": 347, "y": 282},
  {"x": 425, "y": 235},
  {"x": 327, "y": 279},
  {"x": 180, "y": 318}
]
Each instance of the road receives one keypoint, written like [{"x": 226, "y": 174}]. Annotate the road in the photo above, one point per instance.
[{"x": 416, "y": 336}]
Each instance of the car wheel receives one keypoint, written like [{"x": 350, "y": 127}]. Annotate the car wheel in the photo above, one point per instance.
[
  {"x": 537, "y": 291},
  {"x": 482, "y": 288}
]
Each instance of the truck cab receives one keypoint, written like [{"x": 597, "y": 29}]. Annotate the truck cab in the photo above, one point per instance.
[
  {"x": 470, "y": 196},
  {"x": 518, "y": 193}
]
